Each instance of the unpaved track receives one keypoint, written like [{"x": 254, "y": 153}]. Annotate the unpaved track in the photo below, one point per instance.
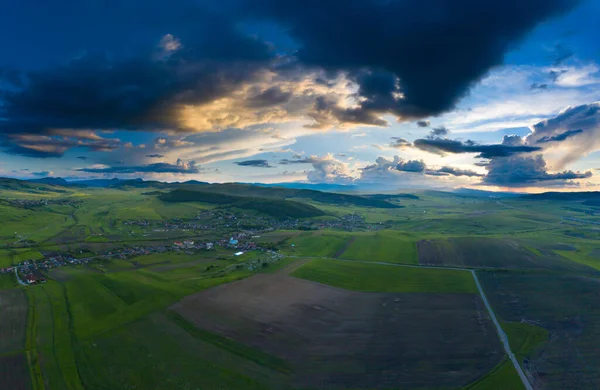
[{"x": 499, "y": 330}]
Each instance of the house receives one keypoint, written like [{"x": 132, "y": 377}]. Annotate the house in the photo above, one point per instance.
[
  {"x": 209, "y": 245},
  {"x": 233, "y": 241},
  {"x": 238, "y": 253},
  {"x": 188, "y": 243},
  {"x": 178, "y": 243}
]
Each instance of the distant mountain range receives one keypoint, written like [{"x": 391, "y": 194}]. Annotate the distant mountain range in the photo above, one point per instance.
[{"x": 291, "y": 189}]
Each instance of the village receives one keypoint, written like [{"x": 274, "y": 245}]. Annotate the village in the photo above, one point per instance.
[
  {"x": 39, "y": 202},
  {"x": 216, "y": 219},
  {"x": 29, "y": 271},
  {"x": 240, "y": 232}
]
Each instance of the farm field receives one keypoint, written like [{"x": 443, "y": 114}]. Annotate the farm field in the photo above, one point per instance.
[
  {"x": 389, "y": 247},
  {"x": 14, "y": 370},
  {"x": 492, "y": 253},
  {"x": 13, "y": 320},
  {"x": 398, "y": 339},
  {"x": 318, "y": 244},
  {"x": 386, "y": 278},
  {"x": 155, "y": 353},
  {"x": 567, "y": 323}
]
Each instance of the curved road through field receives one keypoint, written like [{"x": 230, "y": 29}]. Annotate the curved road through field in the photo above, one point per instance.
[{"x": 499, "y": 330}]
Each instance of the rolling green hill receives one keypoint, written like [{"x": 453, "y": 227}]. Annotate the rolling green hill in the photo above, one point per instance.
[{"x": 273, "y": 207}]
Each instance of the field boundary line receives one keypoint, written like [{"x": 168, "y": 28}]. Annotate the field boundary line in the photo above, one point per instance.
[{"x": 503, "y": 337}]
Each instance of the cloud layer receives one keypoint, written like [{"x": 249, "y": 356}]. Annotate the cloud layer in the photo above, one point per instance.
[
  {"x": 180, "y": 167},
  {"x": 199, "y": 70}
]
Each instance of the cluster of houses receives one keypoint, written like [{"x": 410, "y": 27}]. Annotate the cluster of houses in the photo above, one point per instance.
[
  {"x": 29, "y": 271},
  {"x": 215, "y": 219},
  {"x": 39, "y": 202}
]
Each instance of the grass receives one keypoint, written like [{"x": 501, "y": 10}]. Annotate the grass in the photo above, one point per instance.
[
  {"x": 317, "y": 244},
  {"x": 524, "y": 338},
  {"x": 389, "y": 248},
  {"x": 503, "y": 376},
  {"x": 37, "y": 379},
  {"x": 41, "y": 329},
  {"x": 8, "y": 281},
  {"x": 64, "y": 338},
  {"x": 386, "y": 278},
  {"x": 581, "y": 258},
  {"x": 150, "y": 354}
]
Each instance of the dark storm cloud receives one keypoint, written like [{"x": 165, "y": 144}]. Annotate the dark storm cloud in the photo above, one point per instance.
[
  {"x": 441, "y": 146},
  {"x": 419, "y": 166},
  {"x": 458, "y": 172},
  {"x": 411, "y": 166},
  {"x": 254, "y": 163},
  {"x": 51, "y": 146},
  {"x": 384, "y": 47},
  {"x": 559, "y": 137},
  {"x": 41, "y": 174},
  {"x": 142, "y": 91},
  {"x": 520, "y": 171},
  {"x": 438, "y": 132},
  {"x": 155, "y": 155},
  {"x": 179, "y": 167},
  {"x": 387, "y": 45},
  {"x": 423, "y": 123},
  {"x": 382, "y": 166},
  {"x": 306, "y": 160}
]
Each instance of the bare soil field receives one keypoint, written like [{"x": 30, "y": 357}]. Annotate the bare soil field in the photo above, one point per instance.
[
  {"x": 565, "y": 305},
  {"x": 491, "y": 253},
  {"x": 336, "y": 338},
  {"x": 13, "y": 320},
  {"x": 14, "y": 374}
]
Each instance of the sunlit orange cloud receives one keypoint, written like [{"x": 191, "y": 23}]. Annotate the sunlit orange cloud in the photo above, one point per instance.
[{"x": 243, "y": 107}]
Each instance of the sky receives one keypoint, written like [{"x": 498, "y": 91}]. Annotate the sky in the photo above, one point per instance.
[{"x": 382, "y": 95}]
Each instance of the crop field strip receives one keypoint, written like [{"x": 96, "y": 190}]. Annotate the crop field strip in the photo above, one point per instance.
[
  {"x": 54, "y": 337},
  {"x": 14, "y": 371}
]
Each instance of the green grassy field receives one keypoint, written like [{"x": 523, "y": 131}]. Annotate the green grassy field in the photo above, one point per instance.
[
  {"x": 386, "y": 278},
  {"x": 503, "y": 376},
  {"x": 8, "y": 281},
  {"x": 524, "y": 338},
  {"x": 388, "y": 247},
  {"x": 317, "y": 244},
  {"x": 155, "y": 354}
]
